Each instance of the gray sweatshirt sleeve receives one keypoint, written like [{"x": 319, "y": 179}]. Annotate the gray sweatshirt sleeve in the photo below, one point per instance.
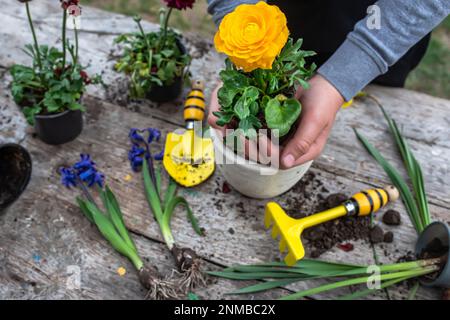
[{"x": 369, "y": 50}]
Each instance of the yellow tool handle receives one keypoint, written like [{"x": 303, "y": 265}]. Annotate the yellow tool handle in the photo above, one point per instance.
[
  {"x": 361, "y": 204},
  {"x": 194, "y": 107},
  {"x": 369, "y": 201}
]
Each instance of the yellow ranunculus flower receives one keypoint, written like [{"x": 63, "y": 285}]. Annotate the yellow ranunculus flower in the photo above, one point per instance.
[{"x": 252, "y": 35}]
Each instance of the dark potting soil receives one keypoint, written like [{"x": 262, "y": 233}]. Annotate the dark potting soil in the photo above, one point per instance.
[
  {"x": 435, "y": 249},
  {"x": 313, "y": 198},
  {"x": 13, "y": 170},
  {"x": 392, "y": 218},
  {"x": 376, "y": 234}
]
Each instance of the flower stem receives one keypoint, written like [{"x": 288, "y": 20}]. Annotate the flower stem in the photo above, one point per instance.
[
  {"x": 165, "y": 26},
  {"x": 75, "y": 30},
  {"x": 33, "y": 32},
  {"x": 64, "y": 38},
  {"x": 150, "y": 52}
]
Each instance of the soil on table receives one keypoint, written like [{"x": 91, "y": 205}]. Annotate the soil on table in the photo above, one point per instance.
[
  {"x": 314, "y": 197},
  {"x": 13, "y": 174},
  {"x": 435, "y": 249}
]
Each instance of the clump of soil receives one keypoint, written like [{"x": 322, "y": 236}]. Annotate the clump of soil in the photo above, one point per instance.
[
  {"x": 388, "y": 237},
  {"x": 15, "y": 170},
  {"x": 435, "y": 249},
  {"x": 333, "y": 233},
  {"x": 376, "y": 234},
  {"x": 392, "y": 218}
]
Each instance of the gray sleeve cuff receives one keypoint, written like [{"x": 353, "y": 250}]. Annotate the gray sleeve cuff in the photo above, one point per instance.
[
  {"x": 351, "y": 68},
  {"x": 220, "y": 8}
]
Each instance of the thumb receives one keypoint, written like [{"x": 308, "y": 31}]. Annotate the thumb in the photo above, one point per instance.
[{"x": 307, "y": 133}]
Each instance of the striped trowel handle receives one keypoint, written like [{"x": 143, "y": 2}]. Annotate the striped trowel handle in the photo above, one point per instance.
[
  {"x": 194, "y": 107},
  {"x": 366, "y": 202}
]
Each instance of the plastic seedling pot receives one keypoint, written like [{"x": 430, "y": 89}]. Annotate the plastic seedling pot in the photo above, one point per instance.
[
  {"x": 15, "y": 173},
  {"x": 435, "y": 240},
  {"x": 162, "y": 94},
  {"x": 59, "y": 128}
]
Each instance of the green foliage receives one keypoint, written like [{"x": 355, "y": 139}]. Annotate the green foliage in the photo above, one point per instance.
[
  {"x": 151, "y": 59},
  {"x": 276, "y": 274},
  {"x": 416, "y": 200},
  {"x": 263, "y": 98},
  {"x": 163, "y": 210},
  {"x": 53, "y": 89}
]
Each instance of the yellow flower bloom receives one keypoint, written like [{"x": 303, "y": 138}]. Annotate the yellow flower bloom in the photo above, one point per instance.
[{"x": 252, "y": 35}]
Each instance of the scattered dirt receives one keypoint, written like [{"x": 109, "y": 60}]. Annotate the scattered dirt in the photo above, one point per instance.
[
  {"x": 313, "y": 197},
  {"x": 376, "y": 234},
  {"x": 392, "y": 218},
  {"x": 388, "y": 237}
]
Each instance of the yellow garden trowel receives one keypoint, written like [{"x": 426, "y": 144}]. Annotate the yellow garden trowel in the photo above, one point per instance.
[
  {"x": 290, "y": 229},
  {"x": 188, "y": 157}
]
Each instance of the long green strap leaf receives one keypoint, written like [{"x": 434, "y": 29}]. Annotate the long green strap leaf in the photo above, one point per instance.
[
  {"x": 84, "y": 209},
  {"x": 397, "y": 180},
  {"x": 170, "y": 192},
  {"x": 360, "y": 280},
  {"x": 168, "y": 212},
  {"x": 265, "y": 286},
  {"x": 152, "y": 196},
  {"x": 107, "y": 229},
  {"x": 116, "y": 215},
  {"x": 158, "y": 179},
  {"x": 366, "y": 292}
]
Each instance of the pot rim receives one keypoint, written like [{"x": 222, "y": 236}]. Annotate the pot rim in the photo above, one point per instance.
[
  {"x": 444, "y": 273},
  {"x": 248, "y": 164},
  {"x": 25, "y": 183},
  {"x": 54, "y": 115}
]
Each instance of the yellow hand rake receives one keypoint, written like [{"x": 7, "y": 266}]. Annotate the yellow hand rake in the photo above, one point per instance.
[{"x": 290, "y": 229}]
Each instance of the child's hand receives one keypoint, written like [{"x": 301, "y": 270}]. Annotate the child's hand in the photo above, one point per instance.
[{"x": 320, "y": 104}]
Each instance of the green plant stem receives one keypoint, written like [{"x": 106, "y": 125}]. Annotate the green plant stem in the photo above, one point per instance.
[
  {"x": 64, "y": 38},
  {"x": 75, "y": 30},
  {"x": 33, "y": 32},
  {"x": 345, "y": 283},
  {"x": 147, "y": 44},
  {"x": 165, "y": 26}
]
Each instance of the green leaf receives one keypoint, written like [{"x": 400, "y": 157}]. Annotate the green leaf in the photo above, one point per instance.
[
  {"x": 113, "y": 208},
  {"x": 281, "y": 116},
  {"x": 170, "y": 192},
  {"x": 84, "y": 209},
  {"x": 397, "y": 180},
  {"x": 265, "y": 286},
  {"x": 151, "y": 194},
  {"x": 241, "y": 109},
  {"x": 107, "y": 229},
  {"x": 170, "y": 207}
]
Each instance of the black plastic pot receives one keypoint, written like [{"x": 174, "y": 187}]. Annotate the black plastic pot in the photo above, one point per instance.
[
  {"x": 436, "y": 231},
  {"x": 170, "y": 92},
  {"x": 15, "y": 173},
  {"x": 59, "y": 128}
]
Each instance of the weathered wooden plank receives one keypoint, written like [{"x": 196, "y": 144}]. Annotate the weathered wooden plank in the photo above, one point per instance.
[
  {"x": 234, "y": 224},
  {"x": 44, "y": 241},
  {"x": 341, "y": 168}
]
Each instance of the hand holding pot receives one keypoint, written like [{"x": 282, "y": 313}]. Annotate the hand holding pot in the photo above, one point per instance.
[{"x": 320, "y": 104}]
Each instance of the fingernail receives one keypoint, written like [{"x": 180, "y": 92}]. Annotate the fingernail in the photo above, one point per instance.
[{"x": 289, "y": 160}]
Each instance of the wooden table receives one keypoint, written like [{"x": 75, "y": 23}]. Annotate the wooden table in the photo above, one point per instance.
[{"x": 45, "y": 240}]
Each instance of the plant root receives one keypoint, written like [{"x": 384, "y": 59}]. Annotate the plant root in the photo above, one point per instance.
[
  {"x": 189, "y": 265},
  {"x": 158, "y": 288}
]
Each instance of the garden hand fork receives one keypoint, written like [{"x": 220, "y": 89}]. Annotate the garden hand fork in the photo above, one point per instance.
[{"x": 290, "y": 229}]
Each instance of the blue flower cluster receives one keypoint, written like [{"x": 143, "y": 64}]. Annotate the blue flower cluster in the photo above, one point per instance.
[
  {"x": 140, "y": 149},
  {"x": 84, "y": 171}
]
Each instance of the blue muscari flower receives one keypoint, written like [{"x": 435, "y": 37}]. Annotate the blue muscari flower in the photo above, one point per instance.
[
  {"x": 153, "y": 134},
  {"x": 159, "y": 156},
  {"x": 136, "y": 135},
  {"x": 91, "y": 176},
  {"x": 85, "y": 163},
  {"x": 68, "y": 177},
  {"x": 136, "y": 157}
]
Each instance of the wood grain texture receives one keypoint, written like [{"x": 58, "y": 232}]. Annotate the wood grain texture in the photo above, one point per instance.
[{"x": 46, "y": 223}]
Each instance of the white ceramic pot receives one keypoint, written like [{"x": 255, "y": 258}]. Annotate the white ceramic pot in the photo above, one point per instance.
[{"x": 253, "y": 179}]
